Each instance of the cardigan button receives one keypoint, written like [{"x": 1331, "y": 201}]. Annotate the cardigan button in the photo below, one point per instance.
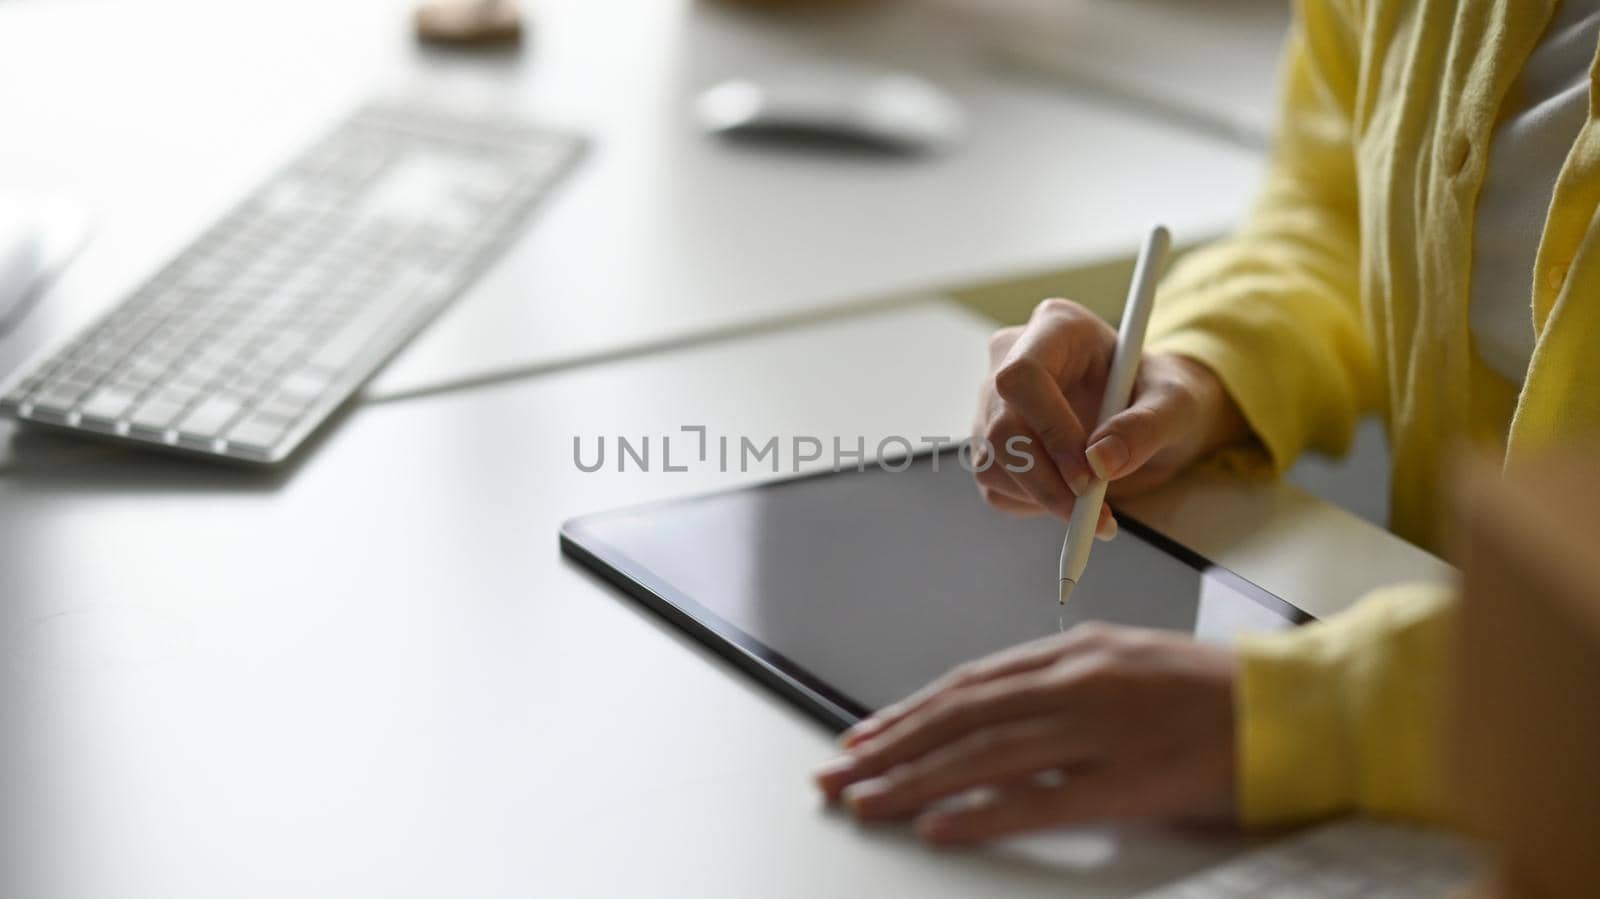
[{"x": 1460, "y": 155}]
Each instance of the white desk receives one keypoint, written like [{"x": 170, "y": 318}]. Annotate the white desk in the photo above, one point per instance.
[
  {"x": 377, "y": 677},
  {"x": 159, "y": 112},
  {"x": 1211, "y": 66}
]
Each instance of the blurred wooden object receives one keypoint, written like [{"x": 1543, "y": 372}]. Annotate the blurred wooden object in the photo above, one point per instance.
[
  {"x": 1528, "y": 714},
  {"x": 469, "y": 23}
]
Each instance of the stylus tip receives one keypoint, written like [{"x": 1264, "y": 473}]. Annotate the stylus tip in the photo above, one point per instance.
[{"x": 1066, "y": 590}]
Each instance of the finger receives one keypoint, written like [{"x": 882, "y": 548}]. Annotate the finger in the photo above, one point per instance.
[
  {"x": 1000, "y": 343},
  {"x": 1084, "y": 797},
  {"x": 1003, "y": 493},
  {"x": 1025, "y": 508},
  {"x": 1157, "y": 417},
  {"x": 1060, "y": 345},
  {"x": 1019, "y": 659},
  {"x": 1018, "y": 457},
  {"x": 989, "y": 402},
  {"x": 994, "y": 757},
  {"x": 1030, "y": 390},
  {"x": 1106, "y": 528},
  {"x": 994, "y": 481},
  {"x": 956, "y": 714},
  {"x": 1072, "y": 343}
]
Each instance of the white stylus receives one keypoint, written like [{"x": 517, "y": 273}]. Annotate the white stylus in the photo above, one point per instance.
[{"x": 1119, "y": 387}]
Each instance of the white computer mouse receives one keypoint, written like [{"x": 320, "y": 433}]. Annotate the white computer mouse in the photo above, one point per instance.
[{"x": 879, "y": 110}]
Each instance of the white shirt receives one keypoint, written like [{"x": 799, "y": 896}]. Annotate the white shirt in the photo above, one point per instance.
[{"x": 1538, "y": 125}]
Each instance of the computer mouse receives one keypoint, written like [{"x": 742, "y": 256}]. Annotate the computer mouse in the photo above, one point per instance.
[{"x": 883, "y": 111}]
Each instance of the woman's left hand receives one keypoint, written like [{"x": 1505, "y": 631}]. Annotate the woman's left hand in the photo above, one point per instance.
[{"x": 1098, "y": 723}]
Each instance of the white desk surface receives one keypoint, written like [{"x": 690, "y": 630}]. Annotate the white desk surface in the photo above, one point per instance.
[
  {"x": 1209, "y": 66},
  {"x": 157, "y": 113},
  {"x": 377, "y": 676}
]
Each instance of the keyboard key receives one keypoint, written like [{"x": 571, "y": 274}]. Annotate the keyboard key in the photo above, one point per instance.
[
  {"x": 303, "y": 386},
  {"x": 135, "y": 380},
  {"x": 353, "y": 336},
  {"x": 248, "y": 381},
  {"x": 156, "y": 416},
  {"x": 197, "y": 374},
  {"x": 257, "y": 434},
  {"x": 108, "y": 405},
  {"x": 210, "y": 417},
  {"x": 81, "y": 374},
  {"x": 58, "y": 399},
  {"x": 285, "y": 407}
]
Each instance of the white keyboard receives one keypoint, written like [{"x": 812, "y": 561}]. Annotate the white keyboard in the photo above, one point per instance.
[
  {"x": 248, "y": 340},
  {"x": 1354, "y": 858}
]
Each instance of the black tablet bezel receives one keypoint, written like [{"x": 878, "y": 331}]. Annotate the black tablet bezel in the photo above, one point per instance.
[{"x": 772, "y": 668}]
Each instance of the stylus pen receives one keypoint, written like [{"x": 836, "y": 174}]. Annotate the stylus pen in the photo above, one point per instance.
[{"x": 1119, "y": 387}]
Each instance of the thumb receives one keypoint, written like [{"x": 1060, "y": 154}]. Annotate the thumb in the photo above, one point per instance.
[{"x": 1122, "y": 444}]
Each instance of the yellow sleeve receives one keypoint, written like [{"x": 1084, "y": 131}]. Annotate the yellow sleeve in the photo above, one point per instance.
[
  {"x": 1275, "y": 309},
  {"x": 1348, "y": 713},
  {"x": 1343, "y": 714}
]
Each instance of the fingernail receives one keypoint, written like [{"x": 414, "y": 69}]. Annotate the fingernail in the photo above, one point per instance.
[
  {"x": 1107, "y": 456},
  {"x": 833, "y": 775},
  {"x": 1107, "y": 532},
  {"x": 1078, "y": 483},
  {"x": 862, "y": 729},
  {"x": 861, "y": 796}
]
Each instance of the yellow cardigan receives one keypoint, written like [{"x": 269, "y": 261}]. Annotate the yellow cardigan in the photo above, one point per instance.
[{"x": 1346, "y": 291}]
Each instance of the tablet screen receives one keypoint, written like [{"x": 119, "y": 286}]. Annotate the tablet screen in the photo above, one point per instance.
[{"x": 869, "y": 584}]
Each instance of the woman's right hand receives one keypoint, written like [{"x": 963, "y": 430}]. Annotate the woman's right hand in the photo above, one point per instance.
[{"x": 1044, "y": 387}]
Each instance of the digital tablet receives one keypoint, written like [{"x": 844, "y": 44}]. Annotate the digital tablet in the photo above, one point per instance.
[{"x": 845, "y": 591}]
